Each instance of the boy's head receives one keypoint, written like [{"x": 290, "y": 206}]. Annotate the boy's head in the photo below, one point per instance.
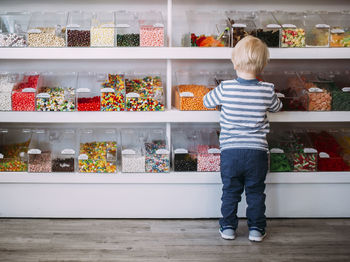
[{"x": 250, "y": 55}]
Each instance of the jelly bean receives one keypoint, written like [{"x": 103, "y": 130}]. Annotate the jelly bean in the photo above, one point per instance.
[
  {"x": 12, "y": 162},
  {"x": 195, "y": 102},
  {"x": 89, "y": 103},
  {"x": 185, "y": 162},
  {"x": 61, "y": 99},
  {"x": 128, "y": 40}
]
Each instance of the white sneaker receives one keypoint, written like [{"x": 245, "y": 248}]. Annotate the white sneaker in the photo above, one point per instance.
[
  {"x": 256, "y": 235},
  {"x": 227, "y": 233}
]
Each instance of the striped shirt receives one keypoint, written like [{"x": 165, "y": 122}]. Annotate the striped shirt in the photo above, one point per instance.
[{"x": 243, "y": 118}]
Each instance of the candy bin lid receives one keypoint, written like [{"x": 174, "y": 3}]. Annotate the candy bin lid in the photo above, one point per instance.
[
  {"x": 337, "y": 21},
  {"x": 27, "y": 82},
  {"x": 289, "y": 19},
  {"x": 157, "y": 140},
  {"x": 88, "y": 82},
  {"x": 208, "y": 142},
  {"x": 151, "y": 18},
  {"x": 40, "y": 142},
  {"x": 281, "y": 141},
  {"x": 125, "y": 19},
  {"x": 79, "y": 20},
  {"x": 103, "y": 19},
  {"x": 314, "y": 19},
  {"x": 45, "y": 19},
  {"x": 8, "y": 81},
  {"x": 303, "y": 142},
  {"x": 14, "y": 142},
  {"x": 184, "y": 141},
  {"x": 14, "y": 22},
  {"x": 192, "y": 77},
  {"x": 242, "y": 19},
  {"x": 143, "y": 85},
  {"x": 311, "y": 82},
  {"x": 133, "y": 141},
  {"x": 265, "y": 20},
  {"x": 220, "y": 76},
  {"x": 341, "y": 79},
  {"x": 63, "y": 142}
]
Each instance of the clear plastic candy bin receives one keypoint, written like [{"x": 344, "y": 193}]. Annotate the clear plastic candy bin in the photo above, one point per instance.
[
  {"x": 13, "y": 29},
  {"x": 47, "y": 29},
  {"x": 78, "y": 29},
  {"x": 242, "y": 24},
  {"x": 88, "y": 92},
  {"x": 340, "y": 90},
  {"x": 144, "y": 92},
  {"x": 157, "y": 151},
  {"x": 39, "y": 153},
  {"x": 190, "y": 89},
  {"x": 184, "y": 148},
  {"x": 127, "y": 29},
  {"x": 152, "y": 29},
  {"x": 64, "y": 148},
  {"x": 339, "y": 23},
  {"x": 102, "y": 29},
  {"x": 112, "y": 91},
  {"x": 207, "y": 29},
  {"x": 56, "y": 92},
  {"x": 268, "y": 30},
  {"x": 208, "y": 149},
  {"x": 24, "y": 92},
  {"x": 98, "y": 150},
  {"x": 14, "y": 143},
  {"x": 293, "y": 28},
  {"x": 304, "y": 154},
  {"x": 316, "y": 30},
  {"x": 133, "y": 151},
  {"x": 7, "y": 83}
]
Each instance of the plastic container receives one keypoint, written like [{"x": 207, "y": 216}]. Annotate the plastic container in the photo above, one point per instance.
[
  {"x": 88, "y": 92},
  {"x": 78, "y": 29},
  {"x": 39, "y": 153},
  {"x": 24, "y": 92},
  {"x": 208, "y": 148},
  {"x": 127, "y": 29},
  {"x": 102, "y": 29},
  {"x": 319, "y": 97},
  {"x": 184, "y": 148},
  {"x": 339, "y": 28},
  {"x": 241, "y": 24},
  {"x": 56, "y": 92},
  {"x": 157, "y": 152},
  {"x": 47, "y": 29},
  {"x": 190, "y": 89},
  {"x": 268, "y": 30},
  {"x": 316, "y": 30},
  {"x": 280, "y": 151},
  {"x": 330, "y": 152},
  {"x": 133, "y": 151},
  {"x": 112, "y": 91},
  {"x": 293, "y": 28},
  {"x": 304, "y": 155},
  {"x": 340, "y": 91},
  {"x": 7, "y": 83},
  {"x": 207, "y": 29},
  {"x": 14, "y": 145},
  {"x": 288, "y": 88},
  {"x": 151, "y": 29},
  {"x": 64, "y": 146},
  {"x": 13, "y": 29},
  {"x": 144, "y": 92},
  {"x": 98, "y": 150},
  {"x": 343, "y": 139}
]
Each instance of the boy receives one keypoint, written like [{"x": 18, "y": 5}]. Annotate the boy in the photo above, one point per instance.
[{"x": 244, "y": 102}]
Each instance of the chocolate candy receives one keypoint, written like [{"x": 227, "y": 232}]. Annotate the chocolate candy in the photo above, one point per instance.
[
  {"x": 63, "y": 165},
  {"x": 39, "y": 163},
  {"x": 78, "y": 38},
  {"x": 270, "y": 37},
  {"x": 127, "y": 40},
  {"x": 185, "y": 162}
]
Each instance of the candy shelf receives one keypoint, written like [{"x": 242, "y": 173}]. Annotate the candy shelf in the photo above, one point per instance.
[
  {"x": 170, "y": 116},
  {"x": 165, "y": 53},
  {"x": 169, "y": 178}
]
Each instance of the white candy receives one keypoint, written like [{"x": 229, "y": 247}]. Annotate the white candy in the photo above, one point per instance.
[
  {"x": 102, "y": 36},
  {"x": 133, "y": 164}
]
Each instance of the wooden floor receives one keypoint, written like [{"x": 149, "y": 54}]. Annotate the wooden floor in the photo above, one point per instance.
[{"x": 27, "y": 240}]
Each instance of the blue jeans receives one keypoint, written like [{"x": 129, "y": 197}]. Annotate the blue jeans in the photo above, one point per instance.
[{"x": 243, "y": 169}]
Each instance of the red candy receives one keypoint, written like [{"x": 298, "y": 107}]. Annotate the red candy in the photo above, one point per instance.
[
  {"x": 89, "y": 103},
  {"x": 24, "y": 101}
]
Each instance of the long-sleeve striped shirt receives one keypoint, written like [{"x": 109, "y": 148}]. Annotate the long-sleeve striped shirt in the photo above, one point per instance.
[{"x": 244, "y": 105}]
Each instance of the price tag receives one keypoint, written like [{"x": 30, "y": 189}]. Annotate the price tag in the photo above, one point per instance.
[
  {"x": 162, "y": 152},
  {"x": 280, "y": 95},
  {"x": 34, "y": 151},
  {"x": 315, "y": 90},
  {"x": 34, "y": 31},
  {"x": 1, "y": 156},
  {"x": 73, "y": 25},
  {"x": 309, "y": 150},
  {"x": 128, "y": 152},
  {"x": 132, "y": 95},
  {"x": 83, "y": 157},
  {"x": 323, "y": 155},
  {"x": 214, "y": 151},
  {"x": 28, "y": 90},
  {"x": 337, "y": 31},
  {"x": 289, "y": 26},
  {"x": 22, "y": 154},
  {"x": 158, "y": 25},
  {"x": 107, "y": 90},
  {"x": 239, "y": 25},
  {"x": 83, "y": 90},
  {"x": 43, "y": 95},
  {"x": 273, "y": 26},
  {"x": 346, "y": 89},
  {"x": 276, "y": 151},
  {"x": 123, "y": 25},
  {"x": 186, "y": 94},
  {"x": 107, "y": 25},
  {"x": 180, "y": 151},
  {"x": 322, "y": 26},
  {"x": 68, "y": 151}
]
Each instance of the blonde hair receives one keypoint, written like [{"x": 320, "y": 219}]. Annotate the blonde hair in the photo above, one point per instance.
[{"x": 250, "y": 55}]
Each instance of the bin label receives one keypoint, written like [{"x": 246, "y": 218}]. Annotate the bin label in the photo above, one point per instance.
[
  {"x": 162, "y": 152},
  {"x": 83, "y": 90},
  {"x": 180, "y": 151},
  {"x": 309, "y": 150},
  {"x": 276, "y": 151},
  {"x": 289, "y": 26},
  {"x": 43, "y": 95},
  {"x": 123, "y": 25},
  {"x": 214, "y": 151},
  {"x": 34, "y": 151},
  {"x": 68, "y": 151},
  {"x": 186, "y": 94},
  {"x": 128, "y": 152},
  {"x": 273, "y": 26},
  {"x": 83, "y": 157},
  {"x": 323, "y": 155},
  {"x": 28, "y": 90},
  {"x": 280, "y": 95}
]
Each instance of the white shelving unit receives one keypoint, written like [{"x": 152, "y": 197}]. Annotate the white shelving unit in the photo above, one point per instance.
[{"x": 174, "y": 194}]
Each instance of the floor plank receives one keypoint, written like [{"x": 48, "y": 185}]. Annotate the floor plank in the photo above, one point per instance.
[{"x": 73, "y": 240}]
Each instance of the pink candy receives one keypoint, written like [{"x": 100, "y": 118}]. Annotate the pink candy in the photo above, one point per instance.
[
  {"x": 151, "y": 36},
  {"x": 207, "y": 162}
]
